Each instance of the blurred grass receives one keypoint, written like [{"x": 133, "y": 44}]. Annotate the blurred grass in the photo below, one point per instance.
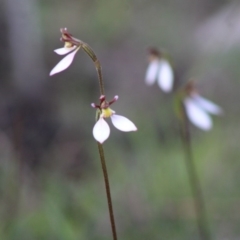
[{"x": 150, "y": 192}]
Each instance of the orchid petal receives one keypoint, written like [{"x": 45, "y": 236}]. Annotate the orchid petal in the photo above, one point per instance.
[
  {"x": 122, "y": 123},
  {"x": 197, "y": 115},
  {"x": 64, "y": 63},
  {"x": 101, "y": 130},
  {"x": 207, "y": 105},
  {"x": 63, "y": 51},
  {"x": 165, "y": 76},
  {"x": 151, "y": 73}
]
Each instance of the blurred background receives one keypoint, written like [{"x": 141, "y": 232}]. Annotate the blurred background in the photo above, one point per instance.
[{"x": 51, "y": 183}]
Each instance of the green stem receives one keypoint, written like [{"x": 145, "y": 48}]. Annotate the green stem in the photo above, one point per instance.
[
  {"x": 199, "y": 203},
  {"x": 97, "y": 64},
  {"x": 94, "y": 58},
  {"x": 107, "y": 186}
]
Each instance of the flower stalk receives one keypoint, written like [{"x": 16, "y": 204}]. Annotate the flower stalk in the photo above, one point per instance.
[
  {"x": 97, "y": 64},
  {"x": 94, "y": 58},
  {"x": 71, "y": 46},
  {"x": 108, "y": 192},
  {"x": 194, "y": 181},
  {"x": 189, "y": 106}
]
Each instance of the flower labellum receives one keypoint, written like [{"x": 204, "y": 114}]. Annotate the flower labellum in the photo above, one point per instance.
[{"x": 101, "y": 130}]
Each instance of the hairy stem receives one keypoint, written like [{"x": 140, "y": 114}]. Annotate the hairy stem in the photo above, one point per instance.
[
  {"x": 194, "y": 181},
  {"x": 107, "y": 186}
]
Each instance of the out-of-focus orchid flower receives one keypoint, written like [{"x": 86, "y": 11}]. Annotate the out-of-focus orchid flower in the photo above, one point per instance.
[
  {"x": 71, "y": 47},
  {"x": 101, "y": 130},
  {"x": 198, "y": 109},
  {"x": 160, "y": 70}
]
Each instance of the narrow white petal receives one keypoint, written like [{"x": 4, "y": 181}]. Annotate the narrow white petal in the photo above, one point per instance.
[
  {"x": 207, "y": 105},
  {"x": 165, "y": 76},
  {"x": 197, "y": 115},
  {"x": 63, "y": 51},
  {"x": 101, "y": 130},
  {"x": 64, "y": 63},
  {"x": 151, "y": 73},
  {"x": 122, "y": 123}
]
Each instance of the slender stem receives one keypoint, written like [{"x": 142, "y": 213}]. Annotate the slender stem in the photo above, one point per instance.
[
  {"x": 199, "y": 203},
  {"x": 100, "y": 79},
  {"x": 93, "y": 56},
  {"x": 107, "y": 186}
]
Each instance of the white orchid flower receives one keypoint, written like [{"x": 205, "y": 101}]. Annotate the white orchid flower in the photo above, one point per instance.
[
  {"x": 66, "y": 61},
  {"x": 101, "y": 129},
  {"x": 159, "y": 70},
  {"x": 198, "y": 110},
  {"x": 71, "y": 47}
]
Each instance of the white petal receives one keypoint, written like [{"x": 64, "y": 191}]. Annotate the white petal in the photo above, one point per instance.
[
  {"x": 165, "y": 76},
  {"x": 207, "y": 105},
  {"x": 63, "y": 51},
  {"x": 64, "y": 63},
  {"x": 151, "y": 73},
  {"x": 101, "y": 130},
  {"x": 197, "y": 115},
  {"x": 122, "y": 123}
]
